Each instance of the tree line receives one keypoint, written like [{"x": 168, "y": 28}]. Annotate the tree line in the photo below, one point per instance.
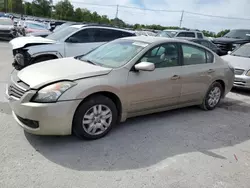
[{"x": 64, "y": 10}]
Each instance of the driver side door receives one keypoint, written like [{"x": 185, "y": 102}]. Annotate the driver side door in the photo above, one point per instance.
[{"x": 153, "y": 90}]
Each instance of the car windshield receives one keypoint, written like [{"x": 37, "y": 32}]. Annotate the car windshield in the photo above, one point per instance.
[
  {"x": 114, "y": 54},
  {"x": 243, "y": 51},
  {"x": 166, "y": 34},
  {"x": 5, "y": 22},
  {"x": 238, "y": 34},
  {"x": 61, "y": 34}
]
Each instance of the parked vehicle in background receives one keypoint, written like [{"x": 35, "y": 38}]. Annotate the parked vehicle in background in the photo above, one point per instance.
[
  {"x": 88, "y": 95},
  {"x": 71, "y": 41},
  {"x": 240, "y": 60},
  {"x": 232, "y": 40},
  {"x": 32, "y": 28},
  {"x": 7, "y": 29},
  {"x": 55, "y": 24},
  {"x": 144, "y": 33},
  {"x": 206, "y": 43},
  {"x": 181, "y": 33},
  {"x": 67, "y": 24}
]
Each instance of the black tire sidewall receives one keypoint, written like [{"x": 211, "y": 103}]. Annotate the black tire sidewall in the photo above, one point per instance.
[
  {"x": 84, "y": 107},
  {"x": 207, "y": 106}
]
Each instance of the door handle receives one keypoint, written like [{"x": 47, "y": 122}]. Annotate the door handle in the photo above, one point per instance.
[
  {"x": 210, "y": 70},
  {"x": 175, "y": 77}
]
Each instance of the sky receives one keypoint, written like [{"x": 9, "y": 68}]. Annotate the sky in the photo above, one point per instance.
[{"x": 225, "y": 8}]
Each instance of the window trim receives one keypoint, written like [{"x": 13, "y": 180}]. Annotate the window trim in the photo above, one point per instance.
[
  {"x": 201, "y": 48},
  {"x": 175, "y": 43}
]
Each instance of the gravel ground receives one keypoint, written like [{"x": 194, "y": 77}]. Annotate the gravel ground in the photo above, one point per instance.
[{"x": 185, "y": 148}]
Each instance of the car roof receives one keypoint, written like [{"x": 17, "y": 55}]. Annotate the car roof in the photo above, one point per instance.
[{"x": 101, "y": 26}]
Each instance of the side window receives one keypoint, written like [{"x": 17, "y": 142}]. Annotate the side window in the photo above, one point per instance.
[
  {"x": 193, "y": 55},
  {"x": 181, "y": 34},
  {"x": 190, "y": 34},
  {"x": 104, "y": 35},
  {"x": 84, "y": 36},
  {"x": 199, "y": 36},
  {"x": 165, "y": 55},
  {"x": 210, "y": 57}
]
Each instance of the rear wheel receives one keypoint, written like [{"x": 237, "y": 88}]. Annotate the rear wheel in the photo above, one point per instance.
[
  {"x": 94, "y": 118},
  {"x": 212, "y": 97}
]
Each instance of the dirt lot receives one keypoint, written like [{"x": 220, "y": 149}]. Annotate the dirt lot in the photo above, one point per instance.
[{"x": 180, "y": 148}]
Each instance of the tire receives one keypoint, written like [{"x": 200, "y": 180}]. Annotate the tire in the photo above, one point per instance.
[
  {"x": 85, "y": 113},
  {"x": 216, "y": 97}
]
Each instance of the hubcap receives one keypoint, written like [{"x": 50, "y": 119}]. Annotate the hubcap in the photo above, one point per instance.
[
  {"x": 214, "y": 96},
  {"x": 97, "y": 119}
]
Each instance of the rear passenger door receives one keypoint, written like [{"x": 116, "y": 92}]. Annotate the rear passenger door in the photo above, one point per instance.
[{"x": 196, "y": 74}]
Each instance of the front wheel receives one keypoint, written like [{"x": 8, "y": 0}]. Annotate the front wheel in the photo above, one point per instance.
[
  {"x": 212, "y": 97},
  {"x": 94, "y": 118}
]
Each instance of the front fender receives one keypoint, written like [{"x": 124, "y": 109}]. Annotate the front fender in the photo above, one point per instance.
[{"x": 49, "y": 49}]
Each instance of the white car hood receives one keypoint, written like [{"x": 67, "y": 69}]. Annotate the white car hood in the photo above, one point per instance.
[
  {"x": 238, "y": 62},
  {"x": 6, "y": 27},
  {"x": 22, "y": 41},
  {"x": 37, "y": 75}
]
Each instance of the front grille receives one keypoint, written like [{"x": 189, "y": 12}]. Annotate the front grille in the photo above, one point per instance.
[
  {"x": 17, "y": 88},
  {"x": 224, "y": 47},
  {"x": 238, "y": 71},
  {"x": 16, "y": 91}
]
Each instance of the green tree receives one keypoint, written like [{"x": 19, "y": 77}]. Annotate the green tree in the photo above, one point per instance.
[
  {"x": 78, "y": 15},
  {"x": 96, "y": 18},
  {"x": 28, "y": 8},
  {"x": 222, "y": 33},
  {"x": 41, "y": 8},
  {"x": 105, "y": 19},
  {"x": 64, "y": 10},
  {"x": 86, "y": 15}
]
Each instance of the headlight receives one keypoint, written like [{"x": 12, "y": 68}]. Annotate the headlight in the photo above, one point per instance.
[
  {"x": 51, "y": 93},
  {"x": 234, "y": 46},
  {"x": 20, "y": 59},
  {"x": 248, "y": 73}
]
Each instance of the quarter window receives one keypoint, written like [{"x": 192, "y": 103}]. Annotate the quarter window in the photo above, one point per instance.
[
  {"x": 199, "y": 36},
  {"x": 162, "y": 56},
  {"x": 210, "y": 57},
  {"x": 193, "y": 55}
]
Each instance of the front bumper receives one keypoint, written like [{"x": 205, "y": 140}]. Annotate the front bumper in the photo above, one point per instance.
[
  {"x": 43, "y": 118},
  {"x": 242, "y": 81}
]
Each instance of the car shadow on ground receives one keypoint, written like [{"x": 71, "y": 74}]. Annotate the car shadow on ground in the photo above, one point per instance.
[
  {"x": 245, "y": 92},
  {"x": 145, "y": 141}
]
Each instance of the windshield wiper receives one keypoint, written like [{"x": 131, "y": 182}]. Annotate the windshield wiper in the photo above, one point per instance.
[{"x": 89, "y": 61}]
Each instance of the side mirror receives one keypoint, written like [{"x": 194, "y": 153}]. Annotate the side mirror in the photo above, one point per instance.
[
  {"x": 229, "y": 52},
  {"x": 72, "y": 40},
  {"x": 145, "y": 66}
]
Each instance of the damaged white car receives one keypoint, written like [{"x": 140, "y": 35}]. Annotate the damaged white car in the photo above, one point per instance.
[{"x": 72, "y": 41}]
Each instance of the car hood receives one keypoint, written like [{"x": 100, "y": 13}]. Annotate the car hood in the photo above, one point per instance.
[
  {"x": 21, "y": 42},
  {"x": 6, "y": 27},
  {"x": 46, "y": 72},
  {"x": 225, "y": 40},
  {"x": 238, "y": 62}
]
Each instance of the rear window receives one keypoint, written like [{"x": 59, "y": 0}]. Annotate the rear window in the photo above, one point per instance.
[{"x": 186, "y": 34}]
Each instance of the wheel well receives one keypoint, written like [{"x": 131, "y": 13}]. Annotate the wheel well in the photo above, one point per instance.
[
  {"x": 113, "y": 97},
  {"x": 45, "y": 56},
  {"x": 222, "y": 83}
]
